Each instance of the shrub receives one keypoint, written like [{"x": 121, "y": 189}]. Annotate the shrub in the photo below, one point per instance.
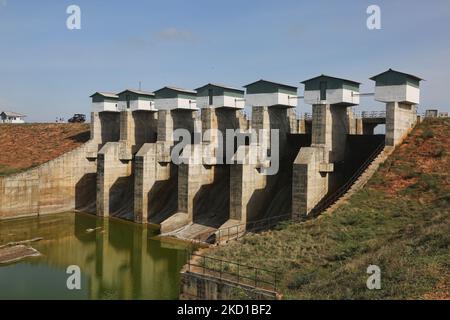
[{"x": 427, "y": 134}]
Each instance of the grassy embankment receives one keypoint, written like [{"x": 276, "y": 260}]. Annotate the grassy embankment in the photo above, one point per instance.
[
  {"x": 399, "y": 221},
  {"x": 24, "y": 146}
]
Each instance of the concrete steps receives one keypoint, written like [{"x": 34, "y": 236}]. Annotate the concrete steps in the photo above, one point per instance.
[{"x": 192, "y": 231}]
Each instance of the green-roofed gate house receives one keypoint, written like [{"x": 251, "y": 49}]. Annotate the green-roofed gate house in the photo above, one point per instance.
[
  {"x": 263, "y": 93},
  {"x": 104, "y": 101},
  {"x": 170, "y": 98},
  {"x": 401, "y": 93},
  {"x": 219, "y": 96},
  {"x": 134, "y": 100}
]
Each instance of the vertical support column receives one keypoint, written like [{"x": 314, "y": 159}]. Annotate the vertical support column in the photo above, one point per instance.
[
  {"x": 109, "y": 170},
  {"x": 301, "y": 126},
  {"x": 244, "y": 181},
  {"x": 261, "y": 125},
  {"x": 359, "y": 126},
  {"x": 351, "y": 122},
  {"x": 105, "y": 127},
  {"x": 96, "y": 128},
  {"x": 321, "y": 125},
  {"x": 313, "y": 166},
  {"x": 145, "y": 178},
  {"x": 165, "y": 126},
  {"x": 191, "y": 177},
  {"x": 244, "y": 175},
  {"x": 400, "y": 119}
]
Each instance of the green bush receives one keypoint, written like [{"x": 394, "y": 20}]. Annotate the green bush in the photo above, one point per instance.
[{"x": 427, "y": 134}]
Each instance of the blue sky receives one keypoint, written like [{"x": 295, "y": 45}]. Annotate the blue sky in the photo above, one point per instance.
[{"x": 48, "y": 71}]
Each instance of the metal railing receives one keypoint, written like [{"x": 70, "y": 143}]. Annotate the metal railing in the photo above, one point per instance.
[
  {"x": 370, "y": 114},
  {"x": 330, "y": 200},
  {"x": 238, "y": 230},
  {"x": 233, "y": 271},
  {"x": 304, "y": 116},
  {"x": 360, "y": 114}
]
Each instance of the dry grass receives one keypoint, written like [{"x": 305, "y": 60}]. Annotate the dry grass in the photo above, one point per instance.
[{"x": 24, "y": 146}]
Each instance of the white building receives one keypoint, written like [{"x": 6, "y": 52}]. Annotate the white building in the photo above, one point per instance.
[
  {"x": 325, "y": 89},
  {"x": 170, "y": 98},
  {"x": 134, "y": 100},
  {"x": 220, "y": 96},
  {"x": 395, "y": 86},
  {"x": 104, "y": 101},
  {"x": 263, "y": 93},
  {"x": 11, "y": 117}
]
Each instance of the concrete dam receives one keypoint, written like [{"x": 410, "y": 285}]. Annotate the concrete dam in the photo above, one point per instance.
[{"x": 127, "y": 168}]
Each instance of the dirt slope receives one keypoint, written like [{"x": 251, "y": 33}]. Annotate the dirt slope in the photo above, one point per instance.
[{"x": 23, "y": 146}]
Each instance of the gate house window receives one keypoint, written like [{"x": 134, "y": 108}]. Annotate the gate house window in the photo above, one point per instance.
[
  {"x": 323, "y": 90},
  {"x": 210, "y": 95},
  {"x": 127, "y": 97}
]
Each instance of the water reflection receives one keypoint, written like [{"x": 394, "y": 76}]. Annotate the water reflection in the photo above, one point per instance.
[{"x": 119, "y": 260}]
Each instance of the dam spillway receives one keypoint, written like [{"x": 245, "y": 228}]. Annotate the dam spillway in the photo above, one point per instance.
[{"x": 127, "y": 169}]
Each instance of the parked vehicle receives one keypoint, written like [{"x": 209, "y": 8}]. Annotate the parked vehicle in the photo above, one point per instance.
[{"x": 78, "y": 118}]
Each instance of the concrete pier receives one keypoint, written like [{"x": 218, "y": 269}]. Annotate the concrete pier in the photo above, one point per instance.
[
  {"x": 314, "y": 166},
  {"x": 400, "y": 119},
  {"x": 156, "y": 177},
  {"x": 115, "y": 180}
]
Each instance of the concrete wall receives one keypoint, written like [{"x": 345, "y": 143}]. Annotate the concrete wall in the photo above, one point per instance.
[
  {"x": 250, "y": 191},
  {"x": 313, "y": 170},
  {"x": 400, "y": 119},
  {"x": 191, "y": 178},
  {"x": 333, "y": 96},
  {"x": 271, "y": 99},
  {"x": 156, "y": 181},
  {"x": 137, "y": 105},
  {"x": 398, "y": 93},
  {"x": 105, "y": 127},
  {"x": 63, "y": 184},
  {"x": 66, "y": 183},
  {"x": 245, "y": 180},
  {"x": 104, "y": 106},
  {"x": 150, "y": 176},
  {"x": 221, "y": 101},
  {"x": 329, "y": 129},
  {"x": 175, "y": 103},
  {"x": 309, "y": 185},
  {"x": 137, "y": 128},
  {"x": 195, "y": 286},
  {"x": 113, "y": 179}
]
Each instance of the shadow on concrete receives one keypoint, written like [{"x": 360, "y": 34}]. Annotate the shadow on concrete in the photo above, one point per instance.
[
  {"x": 163, "y": 198},
  {"x": 145, "y": 130},
  {"x": 276, "y": 198},
  {"x": 110, "y": 126},
  {"x": 85, "y": 193},
  {"x": 212, "y": 202},
  {"x": 121, "y": 200}
]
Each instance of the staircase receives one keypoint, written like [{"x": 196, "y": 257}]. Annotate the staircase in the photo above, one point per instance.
[
  {"x": 364, "y": 178},
  {"x": 355, "y": 183}
]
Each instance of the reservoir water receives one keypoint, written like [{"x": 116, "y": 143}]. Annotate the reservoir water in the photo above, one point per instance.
[{"x": 117, "y": 259}]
